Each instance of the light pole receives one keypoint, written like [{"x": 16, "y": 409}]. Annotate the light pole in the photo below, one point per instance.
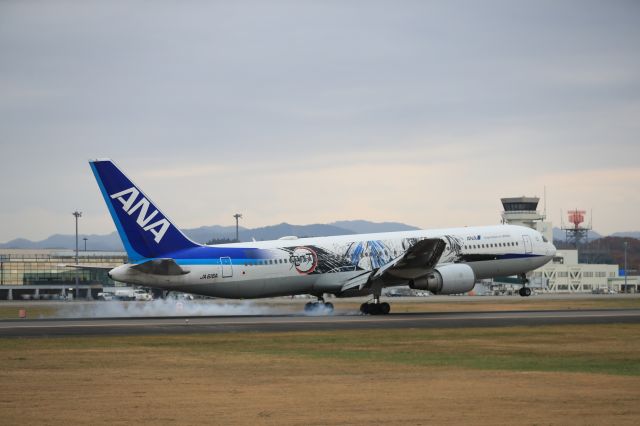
[
  {"x": 237, "y": 216},
  {"x": 77, "y": 215},
  {"x": 626, "y": 243},
  {"x": 85, "y": 243}
]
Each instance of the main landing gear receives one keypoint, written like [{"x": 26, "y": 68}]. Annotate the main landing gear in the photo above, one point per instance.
[
  {"x": 319, "y": 306},
  {"x": 524, "y": 291},
  {"x": 375, "y": 308}
]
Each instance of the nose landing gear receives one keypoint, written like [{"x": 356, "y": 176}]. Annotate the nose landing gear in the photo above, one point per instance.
[{"x": 524, "y": 291}]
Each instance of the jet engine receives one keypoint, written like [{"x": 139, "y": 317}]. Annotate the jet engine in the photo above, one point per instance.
[{"x": 447, "y": 279}]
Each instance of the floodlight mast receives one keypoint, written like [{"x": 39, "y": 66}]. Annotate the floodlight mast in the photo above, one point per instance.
[
  {"x": 77, "y": 215},
  {"x": 238, "y": 216},
  {"x": 626, "y": 243}
]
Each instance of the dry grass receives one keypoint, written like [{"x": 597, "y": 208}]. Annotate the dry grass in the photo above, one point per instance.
[{"x": 338, "y": 378}]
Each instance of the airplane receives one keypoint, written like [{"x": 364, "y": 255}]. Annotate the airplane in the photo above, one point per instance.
[{"x": 442, "y": 261}]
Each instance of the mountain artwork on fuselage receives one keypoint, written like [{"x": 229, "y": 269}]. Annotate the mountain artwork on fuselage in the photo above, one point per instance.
[{"x": 443, "y": 261}]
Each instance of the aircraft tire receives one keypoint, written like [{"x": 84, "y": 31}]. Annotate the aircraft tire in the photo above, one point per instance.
[
  {"x": 364, "y": 308},
  {"x": 385, "y": 308},
  {"x": 328, "y": 306}
]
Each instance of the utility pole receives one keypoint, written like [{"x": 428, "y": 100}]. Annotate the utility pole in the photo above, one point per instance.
[
  {"x": 238, "y": 216},
  {"x": 77, "y": 215},
  {"x": 85, "y": 243},
  {"x": 626, "y": 243}
]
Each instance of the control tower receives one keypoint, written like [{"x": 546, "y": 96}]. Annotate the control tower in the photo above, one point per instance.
[{"x": 523, "y": 211}]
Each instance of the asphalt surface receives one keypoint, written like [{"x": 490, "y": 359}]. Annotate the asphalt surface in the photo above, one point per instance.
[{"x": 285, "y": 323}]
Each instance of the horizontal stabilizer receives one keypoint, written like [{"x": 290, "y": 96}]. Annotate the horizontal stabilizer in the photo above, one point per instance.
[
  {"x": 160, "y": 267},
  {"x": 87, "y": 267}
]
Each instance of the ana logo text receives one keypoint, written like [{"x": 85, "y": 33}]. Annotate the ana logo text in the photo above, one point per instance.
[{"x": 157, "y": 228}]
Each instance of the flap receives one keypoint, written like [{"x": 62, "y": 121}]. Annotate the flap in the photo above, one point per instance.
[{"x": 419, "y": 259}]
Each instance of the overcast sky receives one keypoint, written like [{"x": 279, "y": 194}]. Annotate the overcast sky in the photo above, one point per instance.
[{"x": 311, "y": 112}]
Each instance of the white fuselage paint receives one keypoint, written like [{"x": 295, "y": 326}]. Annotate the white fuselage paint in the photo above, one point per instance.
[{"x": 490, "y": 251}]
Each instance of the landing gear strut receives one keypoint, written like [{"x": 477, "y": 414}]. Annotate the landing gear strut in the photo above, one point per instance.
[
  {"x": 375, "y": 308},
  {"x": 524, "y": 291},
  {"x": 319, "y": 306}
]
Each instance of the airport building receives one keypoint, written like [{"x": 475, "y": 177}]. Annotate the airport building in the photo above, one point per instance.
[
  {"x": 564, "y": 274},
  {"x": 43, "y": 274}
]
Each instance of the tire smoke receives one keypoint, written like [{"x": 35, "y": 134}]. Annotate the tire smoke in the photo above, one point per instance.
[{"x": 164, "y": 308}]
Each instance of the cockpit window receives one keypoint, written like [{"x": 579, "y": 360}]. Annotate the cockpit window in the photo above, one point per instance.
[{"x": 544, "y": 239}]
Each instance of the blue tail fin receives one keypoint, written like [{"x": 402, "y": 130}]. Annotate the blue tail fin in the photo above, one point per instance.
[{"x": 145, "y": 231}]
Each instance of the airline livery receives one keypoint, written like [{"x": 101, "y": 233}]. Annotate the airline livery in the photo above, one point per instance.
[{"x": 443, "y": 261}]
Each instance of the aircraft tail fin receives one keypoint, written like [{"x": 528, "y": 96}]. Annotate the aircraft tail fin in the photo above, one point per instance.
[{"x": 145, "y": 231}]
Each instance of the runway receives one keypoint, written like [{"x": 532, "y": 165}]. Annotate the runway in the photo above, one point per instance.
[{"x": 287, "y": 323}]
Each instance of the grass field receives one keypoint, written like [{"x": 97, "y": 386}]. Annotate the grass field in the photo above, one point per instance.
[{"x": 510, "y": 375}]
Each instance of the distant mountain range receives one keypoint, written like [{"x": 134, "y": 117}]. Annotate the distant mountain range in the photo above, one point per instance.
[
  {"x": 560, "y": 235},
  {"x": 203, "y": 234}
]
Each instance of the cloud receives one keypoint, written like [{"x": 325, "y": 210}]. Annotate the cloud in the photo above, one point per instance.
[{"x": 425, "y": 112}]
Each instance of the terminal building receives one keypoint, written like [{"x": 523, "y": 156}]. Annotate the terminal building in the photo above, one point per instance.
[{"x": 43, "y": 274}]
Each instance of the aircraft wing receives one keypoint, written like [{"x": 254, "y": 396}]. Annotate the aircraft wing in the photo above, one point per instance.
[{"x": 414, "y": 263}]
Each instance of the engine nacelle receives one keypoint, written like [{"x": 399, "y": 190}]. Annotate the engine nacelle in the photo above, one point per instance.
[{"x": 448, "y": 279}]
